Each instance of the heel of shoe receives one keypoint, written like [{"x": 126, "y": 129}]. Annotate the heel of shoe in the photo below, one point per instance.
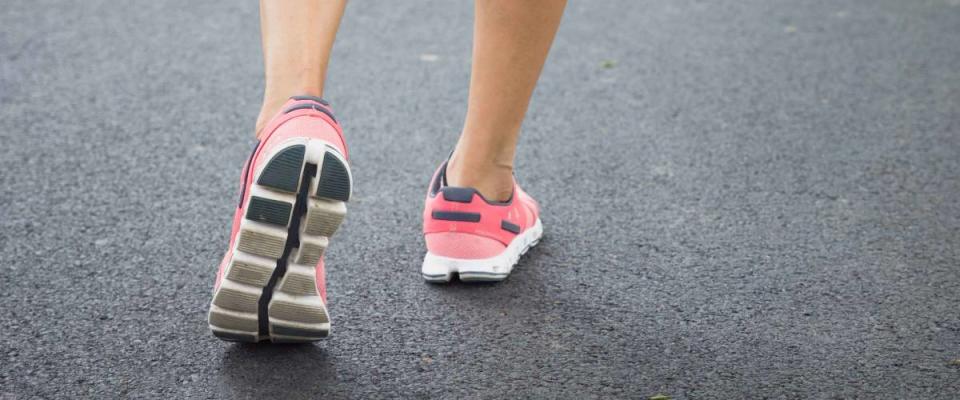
[
  {"x": 269, "y": 289},
  {"x": 476, "y": 265}
]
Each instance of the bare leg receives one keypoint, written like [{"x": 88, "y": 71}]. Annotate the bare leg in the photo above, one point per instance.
[
  {"x": 510, "y": 45},
  {"x": 297, "y": 40}
]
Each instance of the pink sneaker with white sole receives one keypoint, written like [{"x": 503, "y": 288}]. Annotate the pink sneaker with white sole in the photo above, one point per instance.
[
  {"x": 477, "y": 239},
  {"x": 294, "y": 188}
]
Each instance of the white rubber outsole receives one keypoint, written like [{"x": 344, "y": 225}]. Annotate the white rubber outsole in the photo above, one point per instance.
[
  {"x": 440, "y": 269},
  {"x": 269, "y": 287}
]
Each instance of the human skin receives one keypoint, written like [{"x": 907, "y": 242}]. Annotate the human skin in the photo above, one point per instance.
[{"x": 510, "y": 45}]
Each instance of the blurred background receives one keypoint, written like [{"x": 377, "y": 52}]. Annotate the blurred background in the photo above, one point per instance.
[{"x": 742, "y": 199}]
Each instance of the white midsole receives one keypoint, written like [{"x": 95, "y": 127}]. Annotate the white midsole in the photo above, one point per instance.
[{"x": 440, "y": 268}]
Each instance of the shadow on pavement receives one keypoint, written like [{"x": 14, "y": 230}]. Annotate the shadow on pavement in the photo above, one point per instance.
[{"x": 276, "y": 370}]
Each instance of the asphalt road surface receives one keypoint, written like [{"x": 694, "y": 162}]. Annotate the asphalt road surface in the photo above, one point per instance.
[{"x": 741, "y": 199}]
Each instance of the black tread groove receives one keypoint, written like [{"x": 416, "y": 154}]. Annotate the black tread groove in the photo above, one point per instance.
[
  {"x": 334, "y": 179},
  {"x": 293, "y": 240},
  {"x": 283, "y": 330},
  {"x": 234, "y": 337},
  {"x": 283, "y": 170},
  {"x": 268, "y": 210}
]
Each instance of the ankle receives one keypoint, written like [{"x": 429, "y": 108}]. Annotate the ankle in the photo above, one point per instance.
[
  {"x": 266, "y": 113},
  {"x": 493, "y": 180},
  {"x": 273, "y": 101}
]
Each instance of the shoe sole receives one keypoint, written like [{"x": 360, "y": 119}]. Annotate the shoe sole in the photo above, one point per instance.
[
  {"x": 440, "y": 269},
  {"x": 269, "y": 287}
]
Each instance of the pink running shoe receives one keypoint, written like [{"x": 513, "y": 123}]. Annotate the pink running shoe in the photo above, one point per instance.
[
  {"x": 478, "y": 239},
  {"x": 293, "y": 192}
]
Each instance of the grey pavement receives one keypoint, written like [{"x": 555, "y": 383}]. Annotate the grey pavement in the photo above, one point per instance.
[{"x": 753, "y": 198}]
